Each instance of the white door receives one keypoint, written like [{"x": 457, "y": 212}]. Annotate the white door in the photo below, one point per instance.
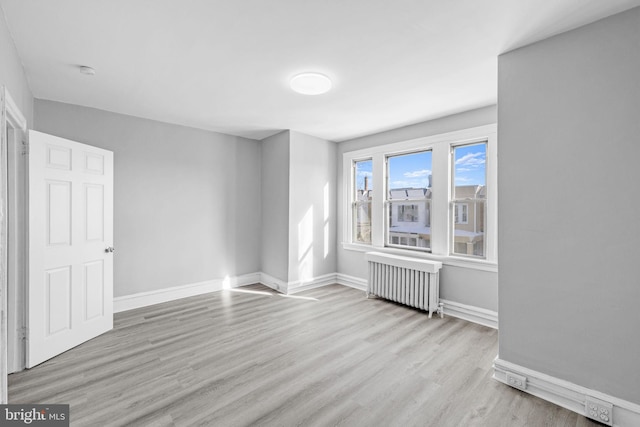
[{"x": 70, "y": 292}]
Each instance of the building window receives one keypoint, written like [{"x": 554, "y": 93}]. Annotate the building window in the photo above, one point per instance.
[
  {"x": 461, "y": 213},
  {"x": 408, "y": 213},
  {"x": 361, "y": 204},
  {"x": 434, "y": 197},
  {"x": 469, "y": 199},
  {"x": 409, "y": 200}
]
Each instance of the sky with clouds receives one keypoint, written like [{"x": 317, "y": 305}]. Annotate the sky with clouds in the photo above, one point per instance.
[
  {"x": 364, "y": 169},
  {"x": 410, "y": 170},
  {"x": 469, "y": 161},
  {"x": 413, "y": 170}
]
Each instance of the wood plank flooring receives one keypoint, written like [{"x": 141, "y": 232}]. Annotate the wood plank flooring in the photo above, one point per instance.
[{"x": 250, "y": 356}]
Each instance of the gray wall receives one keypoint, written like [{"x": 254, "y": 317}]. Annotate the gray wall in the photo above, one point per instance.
[
  {"x": 312, "y": 172},
  {"x": 187, "y": 201},
  {"x": 471, "y": 287},
  {"x": 12, "y": 74},
  {"x": 569, "y": 144},
  {"x": 275, "y": 206}
]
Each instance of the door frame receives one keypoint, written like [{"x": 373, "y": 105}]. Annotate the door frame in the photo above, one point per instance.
[{"x": 11, "y": 122}]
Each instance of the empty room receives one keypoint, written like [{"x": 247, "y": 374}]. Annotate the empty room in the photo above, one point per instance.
[{"x": 319, "y": 213}]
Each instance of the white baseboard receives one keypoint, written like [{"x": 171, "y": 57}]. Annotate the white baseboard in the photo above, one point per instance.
[
  {"x": 143, "y": 299},
  {"x": 297, "y": 285},
  {"x": 351, "y": 281},
  {"x": 273, "y": 283},
  {"x": 315, "y": 282},
  {"x": 568, "y": 395},
  {"x": 471, "y": 313}
]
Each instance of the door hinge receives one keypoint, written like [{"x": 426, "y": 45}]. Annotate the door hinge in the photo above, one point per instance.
[
  {"x": 25, "y": 148},
  {"x": 22, "y": 332}
]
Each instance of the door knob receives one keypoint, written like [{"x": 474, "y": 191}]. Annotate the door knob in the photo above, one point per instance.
[{"x": 110, "y": 249}]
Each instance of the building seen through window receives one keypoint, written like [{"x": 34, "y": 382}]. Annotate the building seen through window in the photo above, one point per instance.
[
  {"x": 469, "y": 197},
  {"x": 409, "y": 200},
  {"x": 361, "y": 206}
]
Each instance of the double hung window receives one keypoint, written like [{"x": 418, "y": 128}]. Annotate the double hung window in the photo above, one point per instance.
[
  {"x": 361, "y": 201},
  {"x": 433, "y": 196},
  {"x": 468, "y": 198},
  {"x": 408, "y": 200}
]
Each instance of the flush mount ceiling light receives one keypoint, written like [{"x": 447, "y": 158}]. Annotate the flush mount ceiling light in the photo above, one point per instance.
[
  {"x": 310, "y": 83},
  {"x": 87, "y": 70}
]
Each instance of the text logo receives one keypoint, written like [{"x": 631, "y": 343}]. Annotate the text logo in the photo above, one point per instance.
[{"x": 34, "y": 415}]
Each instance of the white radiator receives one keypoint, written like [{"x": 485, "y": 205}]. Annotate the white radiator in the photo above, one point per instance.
[{"x": 410, "y": 281}]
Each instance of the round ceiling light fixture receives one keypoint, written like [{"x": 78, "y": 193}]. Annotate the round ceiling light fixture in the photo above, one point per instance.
[
  {"x": 87, "y": 70},
  {"x": 310, "y": 83}
]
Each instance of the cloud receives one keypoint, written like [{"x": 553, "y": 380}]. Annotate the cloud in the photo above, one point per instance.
[
  {"x": 472, "y": 159},
  {"x": 412, "y": 183},
  {"x": 417, "y": 174},
  {"x": 463, "y": 170},
  {"x": 463, "y": 180}
]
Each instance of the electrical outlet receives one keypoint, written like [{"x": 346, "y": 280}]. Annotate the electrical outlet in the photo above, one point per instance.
[
  {"x": 599, "y": 410},
  {"x": 517, "y": 381}
]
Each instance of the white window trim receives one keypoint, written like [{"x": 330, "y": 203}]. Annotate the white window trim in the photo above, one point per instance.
[{"x": 441, "y": 216}]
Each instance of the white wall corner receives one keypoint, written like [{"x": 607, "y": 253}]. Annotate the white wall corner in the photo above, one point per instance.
[
  {"x": 568, "y": 395},
  {"x": 351, "y": 281},
  {"x": 274, "y": 283},
  {"x": 144, "y": 299},
  {"x": 471, "y": 313}
]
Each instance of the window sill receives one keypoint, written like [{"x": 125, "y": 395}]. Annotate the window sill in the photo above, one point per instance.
[{"x": 453, "y": 261}]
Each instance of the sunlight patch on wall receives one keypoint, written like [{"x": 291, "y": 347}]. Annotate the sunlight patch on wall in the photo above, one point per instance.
[
  {"x": 326, "y": 219},
  {"x": 305, "y": 247}
]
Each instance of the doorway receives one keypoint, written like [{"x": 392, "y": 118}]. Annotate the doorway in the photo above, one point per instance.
[
  {"x": 13, "y": 239},
  {"x": 16, "y": 248}
]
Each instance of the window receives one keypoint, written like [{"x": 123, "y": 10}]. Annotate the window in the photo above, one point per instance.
[
  {"x": 433, "y": 198},
  {"x": 409, "y": 200},
  {"x": 408, "y": 213},
  {"x": 461, "y": 214},
  {"x": 361, "y": 204},
  {"x": 468, "y": 197}
]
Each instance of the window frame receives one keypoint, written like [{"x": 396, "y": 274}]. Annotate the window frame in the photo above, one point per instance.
[
  {"x": 454, "y": 201},
  {"x": 389, "y": 202},
  {"x": 441, "y": 211},
  {"x": 353, "y": 197}
]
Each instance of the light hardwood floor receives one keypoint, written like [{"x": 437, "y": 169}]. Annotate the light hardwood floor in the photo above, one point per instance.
[{"x": 251, "y": 356}]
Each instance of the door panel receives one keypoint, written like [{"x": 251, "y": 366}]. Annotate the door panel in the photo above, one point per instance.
[
  {"x": 58, "y": 300},
  {"x": 70, "y": 292},
  {"x": 94, "y": 212},
  {"x": 93, "y": 290},
  {"x": 58, "y": 213}
]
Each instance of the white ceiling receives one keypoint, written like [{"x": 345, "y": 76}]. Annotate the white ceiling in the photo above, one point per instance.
[{"x": 224, "y": 65}]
